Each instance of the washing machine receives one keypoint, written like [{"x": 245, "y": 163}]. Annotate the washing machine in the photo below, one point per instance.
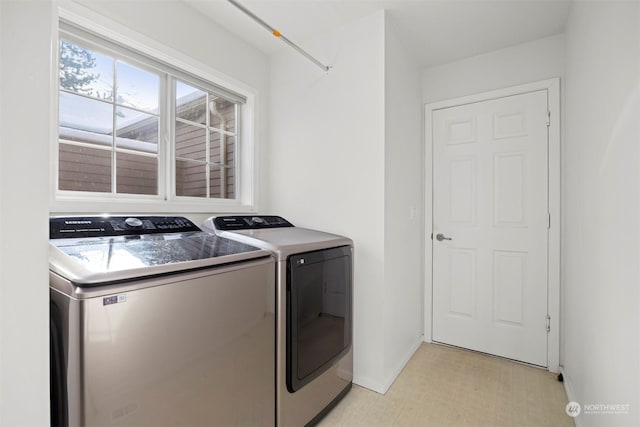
[
  {"x": 314, "y": 321},
  {"x": 157, "y": 323}
]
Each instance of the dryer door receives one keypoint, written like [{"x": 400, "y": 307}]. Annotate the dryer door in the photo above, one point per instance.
[{"x": 319, "y": 289}]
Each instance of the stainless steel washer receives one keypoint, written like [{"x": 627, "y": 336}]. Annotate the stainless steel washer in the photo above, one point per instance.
[
  {"x": 154, "y": 322},
  {"x": 314, "y": 359}
]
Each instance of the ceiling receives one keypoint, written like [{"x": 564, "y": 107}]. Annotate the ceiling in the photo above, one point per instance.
[{"x": 436, "y": 31}]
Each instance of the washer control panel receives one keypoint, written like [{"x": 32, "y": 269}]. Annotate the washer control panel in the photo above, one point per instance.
[
  {"x": 74, "y": 227},
  {"x": 249, "y": 222}
]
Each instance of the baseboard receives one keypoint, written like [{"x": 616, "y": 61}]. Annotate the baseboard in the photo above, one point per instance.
[
  {"x": 368, "y": 383},
  {"x": 566, "y": 381},
  {"x": 400, "y": 366},
  {"x": 383, "y": 387}
]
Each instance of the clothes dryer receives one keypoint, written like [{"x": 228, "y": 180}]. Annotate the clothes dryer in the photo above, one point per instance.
[{"x": 314, "y": 321}]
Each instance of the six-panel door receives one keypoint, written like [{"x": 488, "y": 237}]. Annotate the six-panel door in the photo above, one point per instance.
[{"x": 490, "y": 183}]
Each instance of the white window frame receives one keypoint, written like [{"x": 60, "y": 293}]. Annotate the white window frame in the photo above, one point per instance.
[{"x": 166, "y": 201}]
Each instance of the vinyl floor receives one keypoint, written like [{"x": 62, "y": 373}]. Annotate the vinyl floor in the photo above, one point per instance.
[{"x": 445, "y": 386}]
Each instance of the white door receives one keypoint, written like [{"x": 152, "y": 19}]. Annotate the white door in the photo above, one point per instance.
[{"x": 490, "y": 198}]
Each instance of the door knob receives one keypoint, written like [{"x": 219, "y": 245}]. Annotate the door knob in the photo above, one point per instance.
[{"x": 440, "y": 237}]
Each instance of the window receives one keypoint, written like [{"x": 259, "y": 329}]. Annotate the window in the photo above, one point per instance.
[{"x": 131, "y": 126}]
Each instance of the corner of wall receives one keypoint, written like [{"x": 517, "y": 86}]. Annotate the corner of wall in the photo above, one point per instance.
[{"x": 403, "y": 200}]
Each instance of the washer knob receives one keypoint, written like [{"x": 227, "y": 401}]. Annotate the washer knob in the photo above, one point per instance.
[{"x": 133, "y": 222}]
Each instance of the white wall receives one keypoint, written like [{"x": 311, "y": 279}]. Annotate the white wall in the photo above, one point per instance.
[
  {"x": 403, "y": 192},
  {"x": 601, "y": 210},
  {"x": 524, "y": 63},
  {"x": 25, "y": 49},
  {"x": 326, "y": 161}
]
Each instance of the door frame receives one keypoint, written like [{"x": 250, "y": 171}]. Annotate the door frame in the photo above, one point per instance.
[{"x": 553, "y": 273}]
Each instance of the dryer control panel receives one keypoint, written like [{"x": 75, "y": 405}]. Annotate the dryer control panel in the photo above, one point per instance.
[{"x": 249, "y": 222}]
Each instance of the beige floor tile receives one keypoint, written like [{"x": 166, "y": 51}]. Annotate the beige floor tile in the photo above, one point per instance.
[{"x": 445, "y": 386}]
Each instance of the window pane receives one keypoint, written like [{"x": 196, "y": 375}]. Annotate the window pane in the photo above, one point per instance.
[
  {"x": 136, "y": 131},
  {"x": 136, "y": 174},
  {"x": 221, "y": 182},
  {"x": 191, "y": 103},
  {"x": 84, "y": 169},
  {"x": 190, "y": 142},
  {"x": 215, "y": 182},
  {"x": 85, "y": 71},
  {"x": 222, "y": 149},
  {"x": 137, "y": 88},
  {"x": 231, "y": 182},
  {"x": 191, "y": 178},
  {"x": 84, "y": 119},
  {"x": 223, "y": 115},
  {"x": 231, "y": 151}
]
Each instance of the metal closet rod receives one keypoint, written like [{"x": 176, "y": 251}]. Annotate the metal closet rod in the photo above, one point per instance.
[{"x": 279, "y": 35}]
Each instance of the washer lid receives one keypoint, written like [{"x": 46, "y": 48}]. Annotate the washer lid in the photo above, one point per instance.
[{"x": 92, "y": 261}]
